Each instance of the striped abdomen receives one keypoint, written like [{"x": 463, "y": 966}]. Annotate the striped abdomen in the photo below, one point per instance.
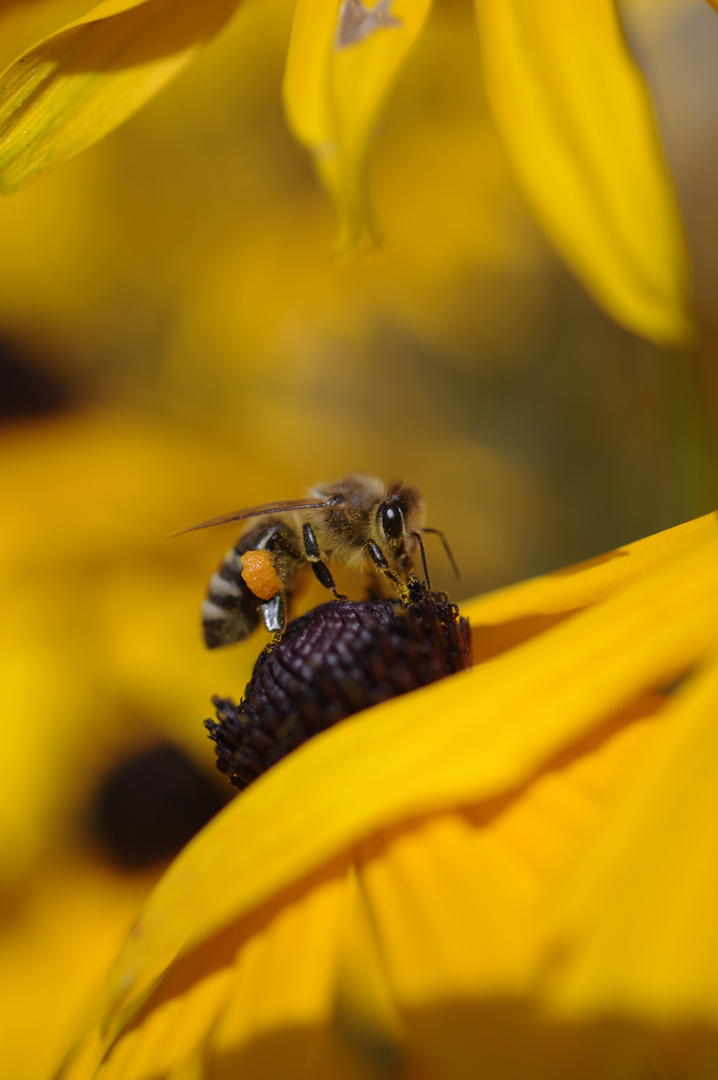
[{"x": 231, "y": 611}]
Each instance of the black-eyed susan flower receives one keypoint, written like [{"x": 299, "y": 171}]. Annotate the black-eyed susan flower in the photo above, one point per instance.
[
  {"x": 508, "y": 873},
  {"x": 332, "y": 662},
  {"x": 567, "y": 96}
]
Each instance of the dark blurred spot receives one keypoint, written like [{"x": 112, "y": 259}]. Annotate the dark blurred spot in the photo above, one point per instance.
[
  {"x": 26, "y": 388},
  {"x": 151, "y": 804}
]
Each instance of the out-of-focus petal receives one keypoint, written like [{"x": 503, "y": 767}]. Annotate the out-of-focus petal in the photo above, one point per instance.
[
  {"x": 64, "y": 930},
  {"x": 69, "y": 90},
  {"x": 499, "y": 725},
  {"x": 577, "y": 121},
  {"x": 342, "y": 60},
  {"x": 24, "y": 24},
  {"x": 634, "y": 916}
]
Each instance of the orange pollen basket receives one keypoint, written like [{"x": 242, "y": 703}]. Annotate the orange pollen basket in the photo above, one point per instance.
[{"x": 260, "y": 575}]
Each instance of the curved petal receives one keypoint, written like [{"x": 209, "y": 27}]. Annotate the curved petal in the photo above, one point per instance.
[
  {"x": 69, "y": 90},
  {"x": 577, "y": 121},
  {"x": 343, "y": 57},
  {"x": 359, "y": 966},
  {"x": 650, "y": 855},
  {"x": 504, "y": 618},
  {"x": 509, "y": 719}
]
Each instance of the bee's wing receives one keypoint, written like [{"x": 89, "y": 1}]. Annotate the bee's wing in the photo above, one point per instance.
[{"x": 257, "y": 511}]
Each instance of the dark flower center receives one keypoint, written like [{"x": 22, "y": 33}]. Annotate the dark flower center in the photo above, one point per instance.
[{"x": 337, "y": 659}]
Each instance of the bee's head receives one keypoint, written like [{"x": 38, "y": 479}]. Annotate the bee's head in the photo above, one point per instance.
[{"x": 398, "y": 517}]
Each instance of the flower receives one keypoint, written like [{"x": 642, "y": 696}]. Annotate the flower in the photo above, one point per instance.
[
  {"x": 332, "y": 662},
  {"x": 507, "y": 872},
  {"x": 567, "y": 97}
]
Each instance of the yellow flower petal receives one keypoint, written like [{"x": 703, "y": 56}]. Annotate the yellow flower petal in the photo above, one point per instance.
[
  {"x": 365, "y": 1009},
  {"x": 509, "y": 718},
  {"x": 283, "y": 984},
  {"x": 577, "y": 121},
  {"x": 67, "y": 924},
  {"x": 69, "y": 90},
  {"x": 382, "y": 890},
  {"x": 358, "y": 966},
  {"x": 508, "y": 616},
  {"x": 453, "y": 901},
  {"x": 635, "y": 916},
  {"x": 173, "y": 1031},
  {"x": 342, "y": 60}
]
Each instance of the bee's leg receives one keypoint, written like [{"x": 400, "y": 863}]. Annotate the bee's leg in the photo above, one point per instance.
[
  {"x": 286, "y": 554},
  {"x": 423, "y": 560},
  {"x": 379, "y": 559},
  {"x": 321, "y": 570},
  {"x": 274, "y": 614}
]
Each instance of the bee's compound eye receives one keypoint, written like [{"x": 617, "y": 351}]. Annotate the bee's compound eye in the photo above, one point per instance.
[{"x": 392, "y": 520}]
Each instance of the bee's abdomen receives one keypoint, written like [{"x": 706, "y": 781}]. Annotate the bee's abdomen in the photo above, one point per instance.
[{"x": 230, "y": 609}]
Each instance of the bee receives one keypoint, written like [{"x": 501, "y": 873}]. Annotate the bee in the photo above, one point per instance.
[{"x": 358, "y": 522}]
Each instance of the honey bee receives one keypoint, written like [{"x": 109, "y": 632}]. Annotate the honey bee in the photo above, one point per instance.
[{"x": 359, "y": 522}]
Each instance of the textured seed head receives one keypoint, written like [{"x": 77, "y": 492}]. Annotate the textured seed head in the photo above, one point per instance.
[{"x": 337, "y": 659}]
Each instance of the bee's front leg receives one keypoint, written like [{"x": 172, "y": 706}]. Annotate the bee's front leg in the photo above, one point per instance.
[
  {"x": 378, "y": 557},
  {"x": 321, "y": 571}
]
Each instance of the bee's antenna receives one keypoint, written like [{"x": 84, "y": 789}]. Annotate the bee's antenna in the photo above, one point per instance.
[
  {"x": 447, "y": 549},
  {"x": 423, "y": 559}
]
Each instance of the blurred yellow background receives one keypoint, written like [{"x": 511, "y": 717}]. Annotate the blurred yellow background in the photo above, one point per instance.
[{"x": 176, "y": 342}]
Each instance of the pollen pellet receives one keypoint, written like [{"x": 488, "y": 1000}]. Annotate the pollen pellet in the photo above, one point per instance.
[{"x": 259, "y": 574}]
